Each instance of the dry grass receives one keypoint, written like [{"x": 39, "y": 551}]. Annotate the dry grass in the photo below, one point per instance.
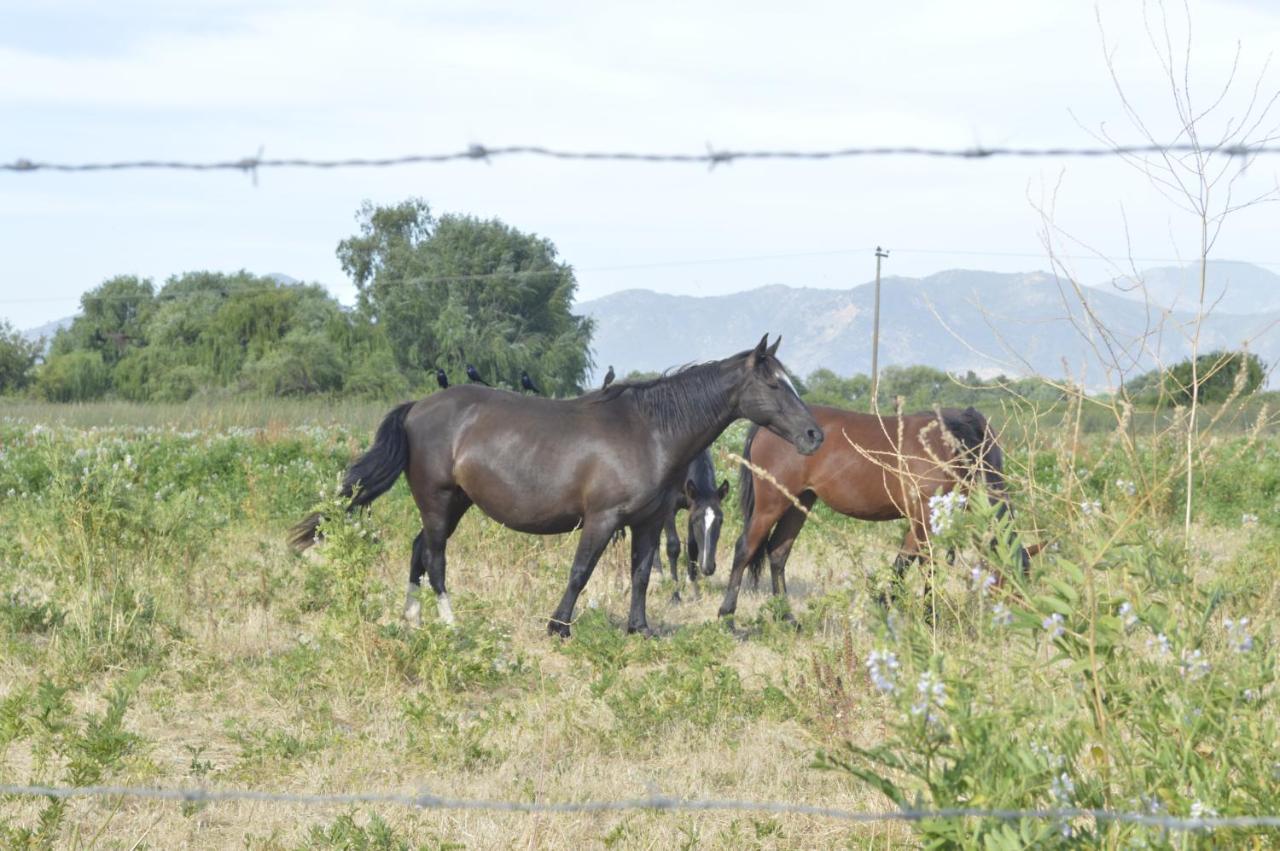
[
  {"x": 227, "y": 704},
  {"x": 256, "y": 668}
]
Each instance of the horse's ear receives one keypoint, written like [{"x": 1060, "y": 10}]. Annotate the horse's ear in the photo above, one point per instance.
[
  {"x": 759, "y": 351},
  {"x": 773, "y": 350},
  {"x": 723, "y": 490}
]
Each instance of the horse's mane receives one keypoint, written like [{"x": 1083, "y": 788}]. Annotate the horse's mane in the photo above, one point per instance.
[{"x": 679, "y": 398}]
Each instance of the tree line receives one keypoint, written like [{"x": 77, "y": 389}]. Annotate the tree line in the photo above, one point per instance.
[{"x": 434, "y": 293}]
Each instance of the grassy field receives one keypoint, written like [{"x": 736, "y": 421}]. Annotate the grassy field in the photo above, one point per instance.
[{"x": 155, "y": 630}]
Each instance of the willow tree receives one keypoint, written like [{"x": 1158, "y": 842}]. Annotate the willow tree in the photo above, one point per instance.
[{"x": 457, "y": 289}]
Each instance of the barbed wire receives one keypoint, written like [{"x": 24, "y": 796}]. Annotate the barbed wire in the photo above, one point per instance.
[
  {"x": 657, "y": 802},
  {"x": 712, "y": 157}
]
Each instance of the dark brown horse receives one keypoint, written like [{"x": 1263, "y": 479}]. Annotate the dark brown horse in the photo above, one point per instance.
[
  {"x": 609, "y": 459},
  {"x": 702, "y": 498},
  {"x": 886, "y": 469}
]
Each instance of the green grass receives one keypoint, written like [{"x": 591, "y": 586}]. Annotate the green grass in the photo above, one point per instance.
[{"x": 155, "y": 630}]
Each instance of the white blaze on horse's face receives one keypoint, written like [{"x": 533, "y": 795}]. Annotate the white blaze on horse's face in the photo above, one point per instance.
[
  {"x": 708, "y": 518},
  {"x": 786, "y": 379}
]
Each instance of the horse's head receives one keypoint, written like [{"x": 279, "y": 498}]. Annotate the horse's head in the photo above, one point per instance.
[
  {"x": 706, "y": 515},
  {"x": 767, "y": 397}
]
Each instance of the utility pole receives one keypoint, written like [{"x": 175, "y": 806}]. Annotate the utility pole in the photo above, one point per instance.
[{"x": 875, "y": 337}]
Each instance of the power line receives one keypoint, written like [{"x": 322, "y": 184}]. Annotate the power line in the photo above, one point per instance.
[
  {"x": 712, "y": 157},
  {"x": 660, "y": 264},
  {"x": 661, "y": 803}
]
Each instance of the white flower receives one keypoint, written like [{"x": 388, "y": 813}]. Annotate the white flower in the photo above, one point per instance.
[
  {"x": 1062, "y": 789},
  {"x": 1201, "y": 810},
  {"x": 941, "y": 507},
  {"x": 1238, "y": 634},
  {"x": 1127, "y": 617},
  {"x": 1000, "y": 615},
  {"x": 882, "y": 669},
  {"x": 1127, "y": 486},
  {"x": 1160, "y": 644},
  {"x": 1247, "y": 519},
  {"x": 1193, "y": 665},
  {"x": 1053, "y": 625},
  {"x": 980, "y": 580},
  {"x": 1090, "y": 507},
  {"x": 931, "y": 695}
]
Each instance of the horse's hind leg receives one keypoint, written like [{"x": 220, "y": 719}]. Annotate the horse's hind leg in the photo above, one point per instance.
[
  {"x": 780, "y": 542},
  {"x": 438, "y": 522},
  {"x": 909, "y": 552},
  {"x": 412, "y": 597},
  {"x": 749, "y": 544}
]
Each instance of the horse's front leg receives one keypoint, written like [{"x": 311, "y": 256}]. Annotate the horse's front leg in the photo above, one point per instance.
[{"x": 644, "y": 547}]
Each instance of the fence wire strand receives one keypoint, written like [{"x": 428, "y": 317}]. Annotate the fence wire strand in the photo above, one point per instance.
[
  {"x": 711, "y": 157},
  {"x": 428, "y": 801}
]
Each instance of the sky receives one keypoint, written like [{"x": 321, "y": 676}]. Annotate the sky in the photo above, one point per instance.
[{"x": 89, "y": 81}]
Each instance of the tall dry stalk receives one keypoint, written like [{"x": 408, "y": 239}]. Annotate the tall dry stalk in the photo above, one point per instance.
[{"x": 1202, "y": 181}]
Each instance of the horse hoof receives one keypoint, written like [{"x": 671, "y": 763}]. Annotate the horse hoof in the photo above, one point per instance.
[
  {"x": 675, "y": 597},
  {"x": 642, "y": 631},
  {"x": 556, "y": 628}
]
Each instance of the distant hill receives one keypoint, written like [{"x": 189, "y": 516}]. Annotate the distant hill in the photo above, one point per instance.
[
  {"x": 47, "y": 330},
  {"x": 956, "y": 320},
  {"x": 1230, "y": 287}
]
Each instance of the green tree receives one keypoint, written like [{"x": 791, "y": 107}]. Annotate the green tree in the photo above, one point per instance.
[
  {"x": 113, "y": 319},
  {"x": 1217, "y": 374},
  {"x": 1217, "y": 371},
  {"x": 74, "y": 377},
  {"x": 18, "y": 356},
  {"x": 459, "y": 289},
  {"x": 824, "y": 387}
]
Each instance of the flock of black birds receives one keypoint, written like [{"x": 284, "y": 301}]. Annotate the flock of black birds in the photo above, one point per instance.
[{"x": 526, "y": 383}]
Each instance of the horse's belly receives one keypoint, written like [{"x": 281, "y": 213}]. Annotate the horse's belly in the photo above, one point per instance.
[{"x": 534, "y": 523}]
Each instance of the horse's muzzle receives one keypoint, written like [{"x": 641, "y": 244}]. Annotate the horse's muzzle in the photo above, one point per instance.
[{"x": 808, "y": 441}]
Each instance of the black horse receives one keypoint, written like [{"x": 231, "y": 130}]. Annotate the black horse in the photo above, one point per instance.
[
  {"x": 702, "y": 498},
  {"x": 608, "y": 459}
]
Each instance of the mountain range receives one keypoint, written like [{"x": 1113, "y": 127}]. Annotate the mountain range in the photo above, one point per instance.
[{"x": 958, "y": 320}]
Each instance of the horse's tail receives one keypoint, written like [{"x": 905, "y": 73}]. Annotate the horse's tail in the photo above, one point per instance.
[
  {"x": 747, "y": 499},
  {"x": 973, "y": 431},
  {"x": 369, "y": 477}
]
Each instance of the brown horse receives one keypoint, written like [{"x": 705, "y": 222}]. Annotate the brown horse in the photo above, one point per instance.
[
  {"x": 894, "y": 465},
  {"x": 612, "y": 458}
]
